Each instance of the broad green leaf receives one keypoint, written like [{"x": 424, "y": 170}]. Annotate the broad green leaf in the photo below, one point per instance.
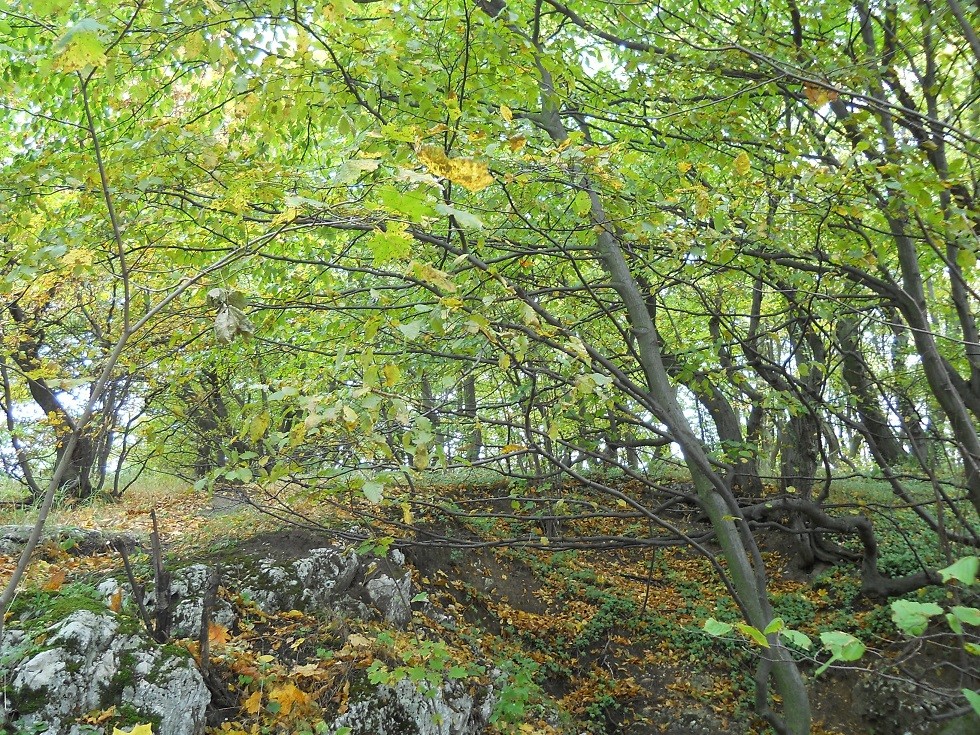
[
  {"x": 373, "y": 491},
  {"x": 464, "y": 218},
  {"x": 963, "y": 570},
  {"x": 954, "y": 624},
  {"x": 753, "y": 634},
  {"x": 913, "y": 617},
  {"x": 843, "y": 646},
  {"x": 716, "y": 627},
  {"x": 973, "y": 698},
  {"x": 411, "y": 204},
  {"x": 967, "y": 615},
  {"x": 394, "y": 244},
  {"x": 798, "y": 639},
  {"x": 776, "y": 625},
  {"x": 412, "y": 330}
]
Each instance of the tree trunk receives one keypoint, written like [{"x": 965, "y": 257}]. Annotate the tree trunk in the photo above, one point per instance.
[
  {"x": 859, "y": 382},
  {"x": 475, "y": 443},
  {"x": 745, "y": 567}
]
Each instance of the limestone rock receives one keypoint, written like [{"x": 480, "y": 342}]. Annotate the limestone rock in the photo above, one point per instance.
[
  {"x": 187, "y": 588},
  {"x": 90, "y": 661},
  {"x": 403, "y": 709},
  {"x": 392, "y": 597}
]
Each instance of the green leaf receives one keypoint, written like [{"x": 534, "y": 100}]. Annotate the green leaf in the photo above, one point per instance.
[
  {"x": 462, "y": 217},
  {"x": 373, "y": 491},
  {"x": 973, "y": 698},
  {"x": 774, "y": 626},
  {"x": 798, "y": 639},
  {"x": 753, "y": 634},
  {"x": 716, "y": 627},
  {"x": 964, "y": 570},
  {"x": 843, "y": 646},
  {"x": 411, "y": 204},
  {"x": 954, "y": 624},
  {"x": 412, "y": 330},
  {"x": 913, "y": 617},
  {"x": 395, "y": 244},
  {"x": 967, "y": 615}
]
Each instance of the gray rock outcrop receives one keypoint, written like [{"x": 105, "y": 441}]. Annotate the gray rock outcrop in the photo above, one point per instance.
[
  {"x": 403, "y": 709},
  {"x": 90, "y": 661}
]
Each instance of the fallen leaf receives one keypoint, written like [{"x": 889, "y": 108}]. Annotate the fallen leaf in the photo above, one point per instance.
[
  {"x": 306, "y": 670},
  {"x": 55, "y": 581},
  {"x": 217, "y": 634},
  {"x": 252, "y": 705},
  {"x": 289, "y": 696},
  {"x": 115, "y": 602},
  {"x": 359, "y": 641},
  {"x": 145, "y": 729}
]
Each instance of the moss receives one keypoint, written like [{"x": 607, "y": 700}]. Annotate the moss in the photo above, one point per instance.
[
  {"x": 31, "y": 700},
  {"x": 124, "y": 676},
  {"x": 128, "y": 716},
  {"x": 43, "y": 608},
  {"x": 172, "y": 649}
]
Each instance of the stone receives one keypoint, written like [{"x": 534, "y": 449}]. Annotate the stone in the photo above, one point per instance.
[
  {"x": 91, "y": 661},
  {"x": 403, "y": 709},
  {"x": 187, "y": 588},
  {"x": 392, "y": 597}
]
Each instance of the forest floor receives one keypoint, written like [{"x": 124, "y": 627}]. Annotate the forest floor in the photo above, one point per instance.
[{"x": 592, "y": 642}]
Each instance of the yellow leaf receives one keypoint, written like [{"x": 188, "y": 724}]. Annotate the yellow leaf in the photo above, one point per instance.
[
  {"x": 391, "y": 374},
  {"x": 407, "y": 518},
  {"x": 468, "y": 173},
  {"x": 506, "y": 113},
  {"x": 742, "y": 163},
  {"x": 146, "y": 729},
  {"x": 55, "y": 581},
  {"x": 259, "y": 425},
  {"x": 252, "y": 705},
  {"x": 115, "y": 602},
  {"x": 358, "y": 641},
  {"x": 683, "y": 166},
  {"x": 286, "y": 216},
  {"x": 818, "y": 96},
  {"x": 432, "y": 275},
  {"x": 516, "y": 143},
  {"x": 217, "y": 634},
  {"x": 289, "y": 696},
  {"x": 513, "y": 448}
]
